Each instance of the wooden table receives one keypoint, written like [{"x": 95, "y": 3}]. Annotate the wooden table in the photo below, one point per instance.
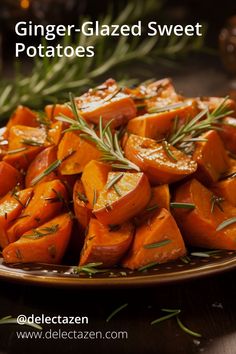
[{"x": 208, "y": 305}]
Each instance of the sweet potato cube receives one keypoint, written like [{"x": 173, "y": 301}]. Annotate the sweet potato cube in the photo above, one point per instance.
[
  {"x": 123, "y": 199},
  {"x": 45, "y": 244},
  {"x": 106, "y": 244},
  {"x": 94, "y": 178},
  {"x": 157, "y": 240},
  {"x": 162, "y": 163}
]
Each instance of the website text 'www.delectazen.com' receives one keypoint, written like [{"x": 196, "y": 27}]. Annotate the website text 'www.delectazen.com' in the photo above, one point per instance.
[{"x": 38, "y": 331}]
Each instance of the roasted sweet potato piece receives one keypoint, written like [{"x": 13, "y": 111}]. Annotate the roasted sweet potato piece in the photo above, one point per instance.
[
  {"x": 45, "y": 244},
  {"x": 160, "y": 198},
  {"x": 82, "y": 207},
  {"x": 158, "y": 125},
  {"x": 11, "y": 206},
  {"x": 199, "y": 226},
  {"x": 21, "y": 116},
  {"x": 55, "y": 132},
  {"x": 83, "y": 152},
  {"x": 9, "y": 177},
  {"x": 213, "y": 102},
  {"x": 24, "y": 144},
  {"x": 226, "y": 189},
  {"x": 211, "y": 158},
  {"x": 94, "y": 178},
  {"x": 42, "y": 161},
  {"x": 228, "y": 133},
  {"x": 53, "y": 111},
  {"x": 157, "y": 240},
  {"x": 108, "y": 103},
  {"x": 126, "y": 197},
  {"x": 106, "y": 244},
  {"x": 46, "y": 203},
  {"x": 162, "y": 163}
]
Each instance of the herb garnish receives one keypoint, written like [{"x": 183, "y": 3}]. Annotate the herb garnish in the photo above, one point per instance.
[
  {"x": 105, "y": 141},
  {"x": 115, "y": 312},
  {"x": 15, "y": 151},
  {"x": 147, "y": 266},
  {"x": 44, "y": 231},
  {"x": 167, "y": 108},
  {"x": 226, "y": 223},
  {"x": 114, "y": 180},
  {"x": 168, "y": 151},
  {"x": 82, "y": 197},
  {"x": 216, "y": 201},
  {"x": 175, "y": 313},
  {"x": 157, "y": 244},
  {"x": 31, "y": 142},
  {"x": 89, "y": 268},
  {"x": 153, "y": 207},
  {"x": 182, "y": 205}
]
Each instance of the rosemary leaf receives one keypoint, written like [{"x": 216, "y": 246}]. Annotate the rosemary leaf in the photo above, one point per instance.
[
  {"x": 187, "y": 330},
  {"x": 115, "y": 312},
  {"x": 226, "y": 223},
  {"x": 15, "y": 151},
  {"x": 167, "y": 108},
  {"x": 166, "y": 317},
  {"x": 147, "y": 266},
  {"x": 168, "y": 151},
  {"x": 153, "y": 207},
  {"x": 114, "y": 180},
  {"x": 46, "y": 172},
  {"x": 182, "y": 205},
  {"x": 216, "y": 201},
  {"x": 200, "y": 254},
  {"x": 157, "y": 244},
  {"x": 31, "y": 142}
]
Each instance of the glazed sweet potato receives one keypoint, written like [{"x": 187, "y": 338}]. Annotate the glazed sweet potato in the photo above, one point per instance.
[
  {"x": 94, "y": 178},
  {"x": 45, "y": 244},
  {"x": 24, "y": 144},
  {"x": 109, "y": 103},
  {"x": 211, "y": 158},
  {"x": 53, "y": 111},
  {"x": 228, "y": 133},
  {"x": 21, "y": 116},
  {"x": 82, "y": 152},
  {"x": 126, "y": 197},
  {"x": 199, "y": 226},
  {"x": 157, "y": 240},
  {"x": 161, "y": 164},
  {"x": 42, "y": 161},
  {"x": 9, "y": 177},
  {"x": 46, "y": 203},
  {"x": 158, "y": 125},
  {"x": 106, "y": 245},
  {"x": 226, "y": 189},
  {"x": 82, "y": 207},
  {"x": 213, "y": 102},
  {"x": 55, "y": 132},
  {"x": 11, "y": 206}
]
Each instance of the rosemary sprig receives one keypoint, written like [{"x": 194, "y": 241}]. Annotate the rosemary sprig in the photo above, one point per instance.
[
  {"x": 89, "y": 268},
  {"x": 202, "y": 122},
  {"x": 226, "y": 223},
  {"x": 82, "y": 197},
  {"x": 172, "y": 313},
  {"x": 157, "y": 244},
  {"x": 216, "y": 201},
  {"x": 46, "y": 172},
  {"x": 187, "y": 330},
  {"x": 168, "y": 151},
  {"x": 44, "y": 231},
  {"x": 31, "y": 142},
  {"x": 147, "y": 266},
  {"x": 15, "y": 151},
  {"x": 182, "y": 205},
  {"x": 116, "y": 311},
  {"x": 167, "y": 108},
  {"x": 114, "y": 180},
  {"x": 153, "y": 207},
  {"x": 105, "y": 141}
]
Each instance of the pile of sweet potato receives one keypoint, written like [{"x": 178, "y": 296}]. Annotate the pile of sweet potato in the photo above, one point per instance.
[{"x": 111, "y": 215}]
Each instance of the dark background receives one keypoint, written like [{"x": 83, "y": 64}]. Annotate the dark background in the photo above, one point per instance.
[{"x": 208, "y": 305}]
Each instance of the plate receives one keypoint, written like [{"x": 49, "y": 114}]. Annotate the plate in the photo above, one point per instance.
[{"x": 63, "y": 276}]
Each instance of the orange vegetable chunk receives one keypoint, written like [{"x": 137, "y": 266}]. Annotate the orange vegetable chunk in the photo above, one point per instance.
[
  {"x": 106, "y": 245},
  {"x": 94, "y": 178},
  {"x": 155, "y": 160},
  {"x": 199, "y": 226},
  {"x": 82, "y": 207},
  {"x": 9, "y": 177},
  {"x": 45, "y": 204},
  {"x": 45, "y": 244},
  {"x": 124, "y": 199},
  {"x": 156, "y": 240}
]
